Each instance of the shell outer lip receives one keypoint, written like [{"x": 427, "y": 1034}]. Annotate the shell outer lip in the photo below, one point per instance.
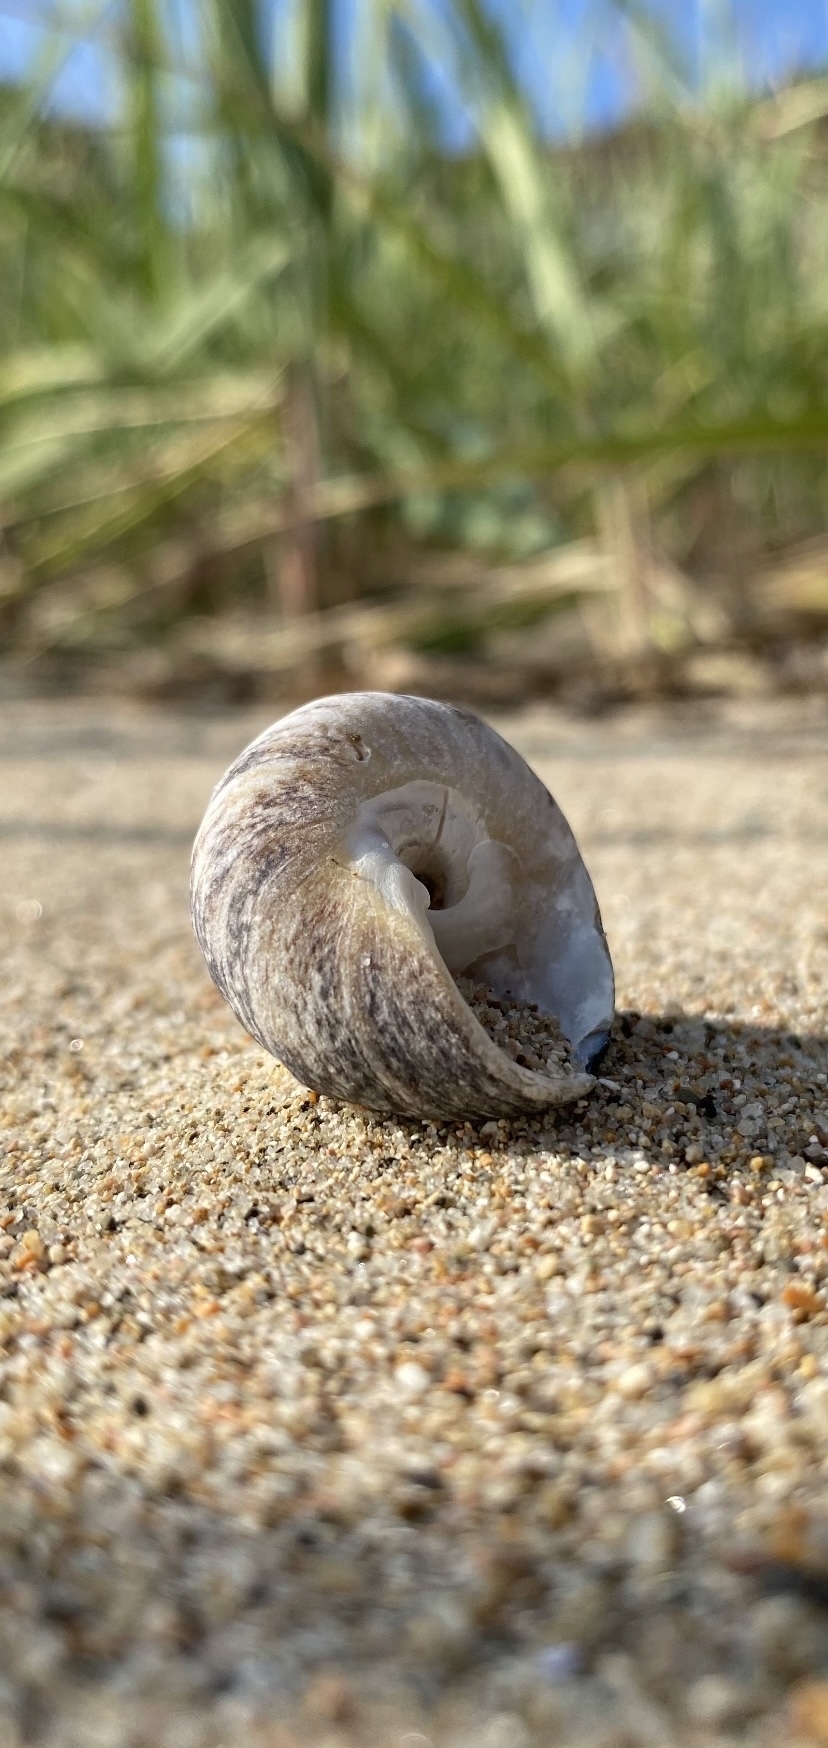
[{"x": 589, "y": 1052}]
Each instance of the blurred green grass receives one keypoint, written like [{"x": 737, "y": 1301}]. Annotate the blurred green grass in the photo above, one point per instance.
[{"x": 272, "y": 350}]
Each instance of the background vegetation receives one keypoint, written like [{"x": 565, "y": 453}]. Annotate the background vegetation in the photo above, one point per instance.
[{"x": 291, "y": 392}]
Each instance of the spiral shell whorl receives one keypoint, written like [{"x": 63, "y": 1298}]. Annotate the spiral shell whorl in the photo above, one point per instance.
[{"x": 321, "y": 937}]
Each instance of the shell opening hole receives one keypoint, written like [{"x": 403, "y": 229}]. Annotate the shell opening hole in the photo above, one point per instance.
[
  {"x": 435, "y": 886},
  {"x": 483, "y": 920}
]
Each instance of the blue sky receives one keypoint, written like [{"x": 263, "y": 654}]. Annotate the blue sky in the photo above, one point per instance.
[{"x": 578, "y": 47}]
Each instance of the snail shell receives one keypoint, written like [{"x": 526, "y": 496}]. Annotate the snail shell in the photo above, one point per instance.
[{"x": 358, "y": 856}]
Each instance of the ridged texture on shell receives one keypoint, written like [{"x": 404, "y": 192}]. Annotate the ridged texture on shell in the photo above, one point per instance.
[{"x": 341, "y": 983}]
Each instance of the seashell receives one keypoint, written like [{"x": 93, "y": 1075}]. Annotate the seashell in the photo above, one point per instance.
[{"x": 359, "y": 855}]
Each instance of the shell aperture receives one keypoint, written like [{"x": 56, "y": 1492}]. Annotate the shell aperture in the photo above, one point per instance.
[{"x": 358, "y": 857}]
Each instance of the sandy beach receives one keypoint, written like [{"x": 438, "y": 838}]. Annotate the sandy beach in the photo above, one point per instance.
[{"x": 324, "y": 1429}]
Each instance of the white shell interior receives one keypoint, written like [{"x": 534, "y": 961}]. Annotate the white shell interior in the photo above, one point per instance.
[{"x": 426, "y": 851}]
